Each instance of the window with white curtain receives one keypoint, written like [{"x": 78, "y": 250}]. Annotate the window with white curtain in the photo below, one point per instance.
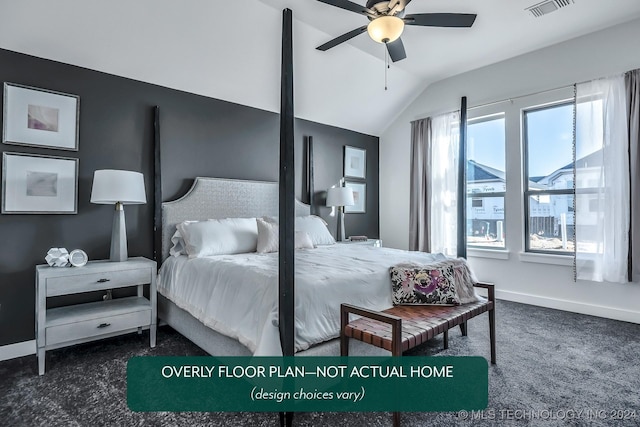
[
  {"x": 444, "y": 180},
  {"x": 548, "y": 175},
  {"x": 486, "y": 182},
  {"x": 602, "y": 211},
  {"x": 564, "y": 190}
]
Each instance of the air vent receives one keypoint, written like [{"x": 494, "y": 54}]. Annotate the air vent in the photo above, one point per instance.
[{"x": 548, "y": 6}]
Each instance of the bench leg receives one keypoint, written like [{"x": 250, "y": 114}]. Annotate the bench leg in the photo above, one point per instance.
[
  {"x": 396, "y": 419},
  {"x": 463, "y": 328},
  {"x": 344, "y": 344},
  {"x": 445, "y": 336},
  {"x": 344, "y": 340},
  {"x": 492, "y": 334}
]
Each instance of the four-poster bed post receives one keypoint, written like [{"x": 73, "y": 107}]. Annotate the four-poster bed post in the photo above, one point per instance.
[
  {"x": 462, "y": 179},
  {"x": 286, "y": 200},
  {"x": 157, "y": 188}
]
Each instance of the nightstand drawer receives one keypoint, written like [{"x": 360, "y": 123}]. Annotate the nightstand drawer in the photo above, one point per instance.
[
  {"x": 95, "y": 327},
  {"x": 97, "y": 281}
]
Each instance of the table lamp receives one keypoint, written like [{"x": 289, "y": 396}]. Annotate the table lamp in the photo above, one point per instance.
[
  {"x": 118, "y": 187},
  {"x": 340, "y": 197}
]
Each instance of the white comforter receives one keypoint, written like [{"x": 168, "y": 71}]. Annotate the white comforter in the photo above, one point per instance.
[{"x": 237, "y": 295}]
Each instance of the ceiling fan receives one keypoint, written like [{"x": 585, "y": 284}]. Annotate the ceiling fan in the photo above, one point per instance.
[{"x": 387, "y": 21}]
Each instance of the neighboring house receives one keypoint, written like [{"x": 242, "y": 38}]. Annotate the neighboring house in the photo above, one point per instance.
[
  {"x": 485, "y": 199},
  {"x": 485, "y": 204}
]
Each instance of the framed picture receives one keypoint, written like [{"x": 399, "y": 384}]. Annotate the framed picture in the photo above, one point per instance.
[
  {"x": 355, "y": 162},
  {"x": 359, "y": 197},
  {"x": 33, "y": 184},
  {"x": 40, "y": 118}
]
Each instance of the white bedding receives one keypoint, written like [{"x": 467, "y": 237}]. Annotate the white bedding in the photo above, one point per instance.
[{"x": 237, "y": 295}]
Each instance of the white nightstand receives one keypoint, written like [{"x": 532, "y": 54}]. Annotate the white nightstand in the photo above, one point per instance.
[
  {"x": 369, "y": 242},
  {"x": 79, "y": 323}
]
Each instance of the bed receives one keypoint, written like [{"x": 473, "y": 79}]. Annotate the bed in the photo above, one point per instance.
[{"x": 227, "y": 304}]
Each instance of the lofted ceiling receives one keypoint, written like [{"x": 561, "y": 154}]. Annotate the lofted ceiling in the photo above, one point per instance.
[{"x": 233, "y": 52}]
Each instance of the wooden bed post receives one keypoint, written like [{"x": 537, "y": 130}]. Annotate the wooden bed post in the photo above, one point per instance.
[
  {"x": 462, "y": 179},
  {"x": 286, "y": 200},
  {"x": 287, "y": 192},
  {"x": 309, "y": 175},
  {"x": 157, "y": 187}
]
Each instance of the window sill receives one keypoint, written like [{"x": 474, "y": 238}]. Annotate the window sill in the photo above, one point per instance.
[
  {"x": 488, "y": 253},
  {"x": 566, "y": 260}
]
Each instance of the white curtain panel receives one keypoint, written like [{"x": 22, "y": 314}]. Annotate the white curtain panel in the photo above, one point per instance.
[
  {"x": 602, "y": 181},
  {"x": 443, "y": 180}
]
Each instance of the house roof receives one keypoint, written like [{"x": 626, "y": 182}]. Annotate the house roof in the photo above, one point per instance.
[
  {"x": 590, "y": 160},
  {"x": 479, "y": 172}
]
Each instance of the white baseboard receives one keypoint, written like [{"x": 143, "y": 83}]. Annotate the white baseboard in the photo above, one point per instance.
[
  {"x": 19, "y": 349},
  {"x": 575, "y": 307}
]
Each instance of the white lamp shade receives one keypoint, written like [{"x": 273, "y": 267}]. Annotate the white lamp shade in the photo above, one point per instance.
[
  {"x": 340, "y": 196},
  {"x": 111, "y": 186},
  {"x": 385, "y": 29}
]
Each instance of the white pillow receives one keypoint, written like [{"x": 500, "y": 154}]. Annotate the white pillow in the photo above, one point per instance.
[
  {"x": 267, "y": 236},
  {"x": 219, "y": 236},
  {"x": 303, "y": 240},
  {"x": 313, "y": 225},
  {"x": 268, "y": 239},
  {"x": 178, "y": 245},
  {"x": 271, "y": 219},
  {"x": 316, "y": 227}
]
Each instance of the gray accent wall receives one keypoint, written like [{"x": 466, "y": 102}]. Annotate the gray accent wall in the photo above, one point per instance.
[{"x": 200, "y": 136}]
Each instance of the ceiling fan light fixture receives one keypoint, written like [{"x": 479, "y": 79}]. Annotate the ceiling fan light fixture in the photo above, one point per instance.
[{"x": 385, "y": 29}]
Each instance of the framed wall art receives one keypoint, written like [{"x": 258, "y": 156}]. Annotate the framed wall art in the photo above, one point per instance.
[
  {"x": 359, "y": 197},
  {"x": 40, "y": 118},
  {"x": 34, "y": 184},
  {"x": 355, "y": 162}
]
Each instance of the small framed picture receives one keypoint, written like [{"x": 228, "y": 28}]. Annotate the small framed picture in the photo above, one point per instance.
[
  {"x": 40, "y": 118},
  {"x": 355, "y": 162},
  {"x": 34, "y": 184},
  {"x": 359, "y": 197}
]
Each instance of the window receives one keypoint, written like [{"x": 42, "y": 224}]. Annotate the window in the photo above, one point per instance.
[
  {"x": 549, "y": 178},
  {"x": 529, "y": 141},
  {"x": 486, "y": 183}
]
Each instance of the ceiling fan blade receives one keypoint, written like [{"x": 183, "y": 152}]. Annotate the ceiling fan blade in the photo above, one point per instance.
[
  {"x": 343, "y": 38},
  {"x": 396, "y": 50},
  {"x": 441, "y": 19},
  {"x": 347, "y": 5}
]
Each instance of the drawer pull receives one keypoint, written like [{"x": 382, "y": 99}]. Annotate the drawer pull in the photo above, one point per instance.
[
  {"x": 103, "y": 325},
  {"x": 104, "y": 280}
]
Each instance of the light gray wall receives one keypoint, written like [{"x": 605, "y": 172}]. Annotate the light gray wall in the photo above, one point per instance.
[{"x": 599, "y": 54}]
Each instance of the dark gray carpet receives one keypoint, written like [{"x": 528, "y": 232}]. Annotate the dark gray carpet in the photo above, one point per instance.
[{"x": 551, "y": 365}]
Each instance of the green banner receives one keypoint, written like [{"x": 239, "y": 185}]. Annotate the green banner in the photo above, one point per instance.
[{"x": 304, "y": 384}]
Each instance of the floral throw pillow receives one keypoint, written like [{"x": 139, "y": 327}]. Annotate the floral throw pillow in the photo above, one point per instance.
[{"x": 424, "y": 285}]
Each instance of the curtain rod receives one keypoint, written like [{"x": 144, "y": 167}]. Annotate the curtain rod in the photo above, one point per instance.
[{"x": 511, "y": 99}]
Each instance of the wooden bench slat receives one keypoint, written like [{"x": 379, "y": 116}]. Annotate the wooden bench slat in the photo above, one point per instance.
[{"x": 416, "y": 324}]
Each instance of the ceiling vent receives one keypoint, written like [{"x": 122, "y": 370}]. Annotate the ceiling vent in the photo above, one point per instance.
[{"x": 548, "y": 6}]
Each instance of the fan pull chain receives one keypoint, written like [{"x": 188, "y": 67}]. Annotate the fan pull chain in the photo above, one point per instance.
[{"x": 386, "y": 64}]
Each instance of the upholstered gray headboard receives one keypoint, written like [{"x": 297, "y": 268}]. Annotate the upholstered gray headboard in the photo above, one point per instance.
[{"x": 215, "y": 198}]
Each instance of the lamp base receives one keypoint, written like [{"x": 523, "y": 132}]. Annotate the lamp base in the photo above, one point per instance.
[
  {"x": 118, "y": 236},
  {"x": 341, "y": 233}
]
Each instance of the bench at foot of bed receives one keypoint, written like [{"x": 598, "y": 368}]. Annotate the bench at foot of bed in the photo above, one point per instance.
[{"x": 404, "y": 327}]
